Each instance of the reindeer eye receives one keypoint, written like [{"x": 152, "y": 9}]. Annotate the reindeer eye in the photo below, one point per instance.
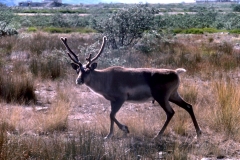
[{"x": 87, "y": 71}]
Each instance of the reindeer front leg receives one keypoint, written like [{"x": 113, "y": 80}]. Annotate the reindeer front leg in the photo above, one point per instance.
[{"x": 115, "y": 106}]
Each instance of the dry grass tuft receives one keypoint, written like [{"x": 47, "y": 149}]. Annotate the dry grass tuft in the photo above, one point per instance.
[
  {"x": 181, "y": 122},
  {"x": 227, "y": 111},
  {"x": 56, "y": 118},
  {"x": 17, "y": 88},
  {"x": 8, "y": 120},
  {"x": 141, "y": 124},
  {"x": 37, "y": 43},
  {"x": 189, "y": 93},
  {"x": 50, "y": 67}
]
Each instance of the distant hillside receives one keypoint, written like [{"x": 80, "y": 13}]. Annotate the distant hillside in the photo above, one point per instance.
[
  {"x": 15, "y": 2},
  {"x": 82, "y": 1}
]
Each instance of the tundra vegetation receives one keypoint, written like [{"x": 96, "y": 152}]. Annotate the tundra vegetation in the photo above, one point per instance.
[{"x": 44, "y": 115}]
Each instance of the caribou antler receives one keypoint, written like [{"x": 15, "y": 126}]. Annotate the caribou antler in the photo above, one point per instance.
[
  {"x": 99, "y": 53},
  {"x": 75, "y": 57}
]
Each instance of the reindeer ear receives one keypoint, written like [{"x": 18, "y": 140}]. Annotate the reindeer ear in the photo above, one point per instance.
[
  {"x": 93, "y": 66},
  {"x": 75, "y": 66}
]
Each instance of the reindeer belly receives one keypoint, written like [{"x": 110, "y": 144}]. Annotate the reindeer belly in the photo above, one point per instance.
[{"x": 139, "y": 93}]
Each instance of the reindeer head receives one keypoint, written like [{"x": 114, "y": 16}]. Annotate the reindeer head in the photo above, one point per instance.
[{"x": 83, "y": 70}]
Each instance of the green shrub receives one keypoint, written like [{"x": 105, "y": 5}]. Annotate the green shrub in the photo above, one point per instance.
[
  {"x": 236, "y": 31},
  {"x": 188, "y": 31},
  {"x": 126, "y": 25},
  {"x": 72, "y": 11},
  {"x": 86, "y": 30},
  {"x": 32, "y": 29},
  {"x": 68, "y": 30},
  {"x": 210, "y": 30},
  {"x": 194, "y": 31},
  {"x": 236, "y": 8},
  {"x": 57, "y": 30},
  {"x": 178, "y": 31}
]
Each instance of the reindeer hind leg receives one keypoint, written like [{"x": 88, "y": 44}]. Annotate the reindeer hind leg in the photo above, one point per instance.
[{"x": 177, "y": 99}]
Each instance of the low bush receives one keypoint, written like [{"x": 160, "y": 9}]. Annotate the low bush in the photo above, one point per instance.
[
  {"x": 32, "y": 29},
  {"x": 196, "y": 30},
  {"x": 57, "y": 30},
  {"x": 85, "y": 30},
  {"x": 68, "y": 30},
  {"x": 236, "y": 8},
  {"x": 210, "y": 30},
  {"x": 188, "y": 31},
  {"x": 237, "y": 31}
]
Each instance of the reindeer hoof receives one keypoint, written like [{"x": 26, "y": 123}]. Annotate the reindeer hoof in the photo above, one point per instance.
[
  {"x": 125, "y": 129},
  {"x": 157, "y": 138},
  {"x": 199, "y": 134},
  {"x": 109, "y": 136}
]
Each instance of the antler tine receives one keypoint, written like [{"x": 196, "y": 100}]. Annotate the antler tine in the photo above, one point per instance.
[
  {"x": 101, "y": 49},
  {"x": 75, "y": 59},
  {"x": 89, "y": 57},
  {"x": 99, "y": 53}
]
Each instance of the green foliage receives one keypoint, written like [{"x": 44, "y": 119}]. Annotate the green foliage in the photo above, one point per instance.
[
  {"x": 58, "y": 20},
  {"x": 126, "y": 25},
  {"x": 6, "y": 19},
  {"x": 68, "y": 30},
  {"x": 122, "y": 23},
  {"x": 236, "y": 8},
  {"x": 57, "y": 30},
  {"x": 189, "y": 31},
  {"x": 85, "y": 30},
  {"x": 196, "y": 30},
  {"x": 72, "y": 11},
  {"x": 211, "y": 30},
  {"x": 207, "y": 19},
  {"x": 32, "y": 29},
  {"x": 197, "y": 8},
  {"x": 54, "y": 20},
  {"x": 184, "y": 21},
  {"x": 237, "y": 31}
]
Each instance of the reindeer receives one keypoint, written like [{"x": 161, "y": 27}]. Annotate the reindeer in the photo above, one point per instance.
[{"x": 118, "y": 84}]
